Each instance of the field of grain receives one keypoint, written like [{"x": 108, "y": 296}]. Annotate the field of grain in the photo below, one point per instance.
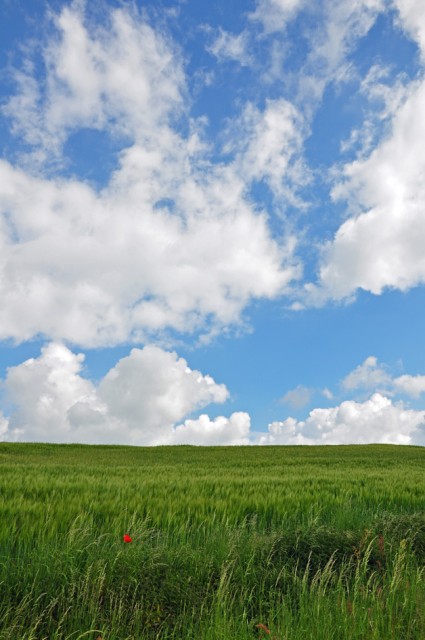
[{"x": 291, "y": 543}]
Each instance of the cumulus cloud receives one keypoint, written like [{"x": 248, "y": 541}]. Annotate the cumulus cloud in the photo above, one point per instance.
[
  {"x": 382, "y": 246},
  {"x": 377, "y": 420},
  {"x": 140, "y": 401},
  {"x": 130, "y": 268},
  {"x": 147, "y": 398},
  {"x": 371, "y": 375},
  {"x": 172, "y": 240},
  {"x": 43, "y": 389},
  {"x": 151, "y": 389},
  {"x": 379, "y": 246},
  {"x": 220, "y": 431},
  {"x": 367, "y": 375}
]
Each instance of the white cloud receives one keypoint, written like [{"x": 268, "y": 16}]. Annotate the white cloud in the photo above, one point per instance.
[
  {"x": 344, "y": 24},
  {"x": 171, "y": 241},
  {"x": 373, "y": 376},
  {"x": 151, "y": 390},
  {"x": 338, "y": 27},
  {"x": 123, "y": 76},
  {"x": 368, "y": 375},
  {"x": 382, "y": 246},
  {"x": 269, "y": 146},
  {"x": 138, "y": 402},
  {"x": 298, "y": 397},
  {"x": 43, "y": 390},
  {"x": 377, "y": 420},
  {"x": 412, "y": 19},
  {"x": 109, "y": 268},
  {"x": 410, "y": 385},
  {"x": 274, "y": 15},
  {"x": 324, "y": 56},
  {"x": 228, "y": 46},
  {"x": 204, "y": 431},
  {"x": 147, "y": 399},
  {"x": 5, "y": 434},
  {"x": 384, "y": 96}
]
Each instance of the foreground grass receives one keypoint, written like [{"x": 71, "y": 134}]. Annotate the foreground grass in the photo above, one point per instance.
[{"x": 316, "y": 543}]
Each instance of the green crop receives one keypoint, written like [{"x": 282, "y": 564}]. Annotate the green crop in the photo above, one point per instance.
[{"x": 306, "y": 542}]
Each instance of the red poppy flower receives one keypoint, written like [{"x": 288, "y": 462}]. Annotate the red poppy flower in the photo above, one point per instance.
[{"x": 127, "y": 538}]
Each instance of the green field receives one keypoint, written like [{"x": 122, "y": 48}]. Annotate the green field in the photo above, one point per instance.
[{"x": 315, "y": 543}]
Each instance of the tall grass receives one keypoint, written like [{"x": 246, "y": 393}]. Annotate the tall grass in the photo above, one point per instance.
[{"x": 323, "y": 542}]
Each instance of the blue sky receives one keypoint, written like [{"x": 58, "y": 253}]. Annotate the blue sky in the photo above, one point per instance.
[{"x": 212, "y": 222}]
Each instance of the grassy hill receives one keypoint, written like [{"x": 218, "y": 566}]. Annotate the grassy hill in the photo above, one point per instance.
[{"x": 311, "y": 542}]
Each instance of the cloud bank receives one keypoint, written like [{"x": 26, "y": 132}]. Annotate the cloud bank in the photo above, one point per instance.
[
  {"x": 377, "y": 420},
  {"x": 172, "y": 240},
  {"x": 141, "y": 401},
  {"x": 147, "y": 398}
]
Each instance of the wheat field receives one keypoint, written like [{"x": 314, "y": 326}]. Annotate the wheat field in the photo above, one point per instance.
[{"x": 290, "y": 543}]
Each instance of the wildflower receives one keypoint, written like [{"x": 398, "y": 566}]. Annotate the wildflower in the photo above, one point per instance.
[{"x": 127, "y": 538}]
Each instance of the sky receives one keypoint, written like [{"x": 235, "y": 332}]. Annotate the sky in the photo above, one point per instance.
[{"x": 212, "y": 222}]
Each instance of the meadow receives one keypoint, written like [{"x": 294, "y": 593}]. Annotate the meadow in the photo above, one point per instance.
[{"x": 286, "y": 543}]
